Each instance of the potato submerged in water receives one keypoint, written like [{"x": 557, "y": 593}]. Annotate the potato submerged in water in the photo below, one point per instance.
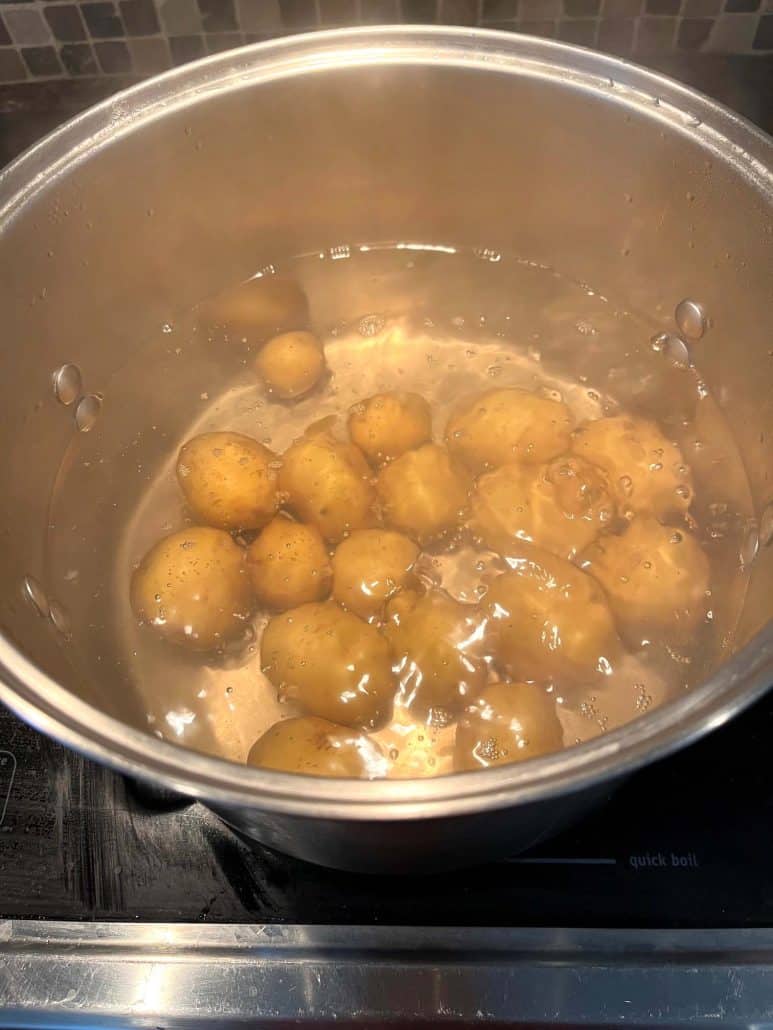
[
  {"x": 389, "y": 424},
  {"x": 257, "y": 309},
  {"x": 228, "y": 480},
  {"x": 507, "y": 722},
  {"x": 289, "y": 564},
  {"x": 317, "y": 747},
  {"x": 656, "y": 577},
  {"x": 511, "y": 425},
  {"x": 438, "y": 650},
  {"x": 647, "y": 472},
  {"x": 192, "y": 588},
  {"x": 561, "y": 507},
  {"x": 550, "y": 620},
  {"x": 369, "y": 567},
  {"x": 423, "y": 493},
  {"x": 291, "y": 364},
  {"x": 327, "y": 483},
  {"x": 330, "y": 663}
]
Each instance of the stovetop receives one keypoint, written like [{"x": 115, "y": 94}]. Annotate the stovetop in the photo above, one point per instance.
[{"x": 684, "y": 843}]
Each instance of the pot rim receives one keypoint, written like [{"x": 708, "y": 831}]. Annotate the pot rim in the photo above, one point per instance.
[{"x": 40, "y": 701}]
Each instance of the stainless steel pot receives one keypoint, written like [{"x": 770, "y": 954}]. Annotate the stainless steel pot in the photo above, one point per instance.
[{"x": 192, "y": 180}]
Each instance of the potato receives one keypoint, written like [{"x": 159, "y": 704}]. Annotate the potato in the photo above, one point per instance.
[
  {"x": 656, "y": 577},
  {"x": 647, "y": 473},
  {"x": 369, "y": 567},
  {"x": 561, "y": 506},
  {"x": 192, "y": 588},
  {"x": 507, "y": 722},
  {"x": 257, "y": 309},
  {"x": 423, "y": 493},
  {"x": 289, "y": 564},
  {"x": 502, "y": 426},
  {"x": 438, "y": 649},
  {"x": 228, "y": 480},
  {"x": 317, "y": 747},
  {"x": 330, "y": 663},
  {"x": 327, "y": 483},
  {"x": 550, "y": 620},
  {"x": 291, "y": 364},
  {"x": 389, "y": 424}
]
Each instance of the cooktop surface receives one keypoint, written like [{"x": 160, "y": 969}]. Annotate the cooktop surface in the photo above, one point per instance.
[{"x": 684, "y": 843}]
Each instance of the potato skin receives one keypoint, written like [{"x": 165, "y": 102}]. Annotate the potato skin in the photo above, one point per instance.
[
  {"x": 655, "y": 577},
  {"x": 647, "y": 472},
  {"x": 424, "y": 494},
  {"x": 317, "y": 747},
  {"x": 329, "y": 662},
  {"x": 509, "y": 425},
  {"x": 327, "y": 483},
  {"x": 257, "y": 309},
  {"x": 549, "y": 620},
  {"x": 192, "y": 588},
  {"x": 228, "y": 480},
  {"x": 369, "y": 567},
  {"x": 438, "y": 650},
  {"x": 291, "y": 364},
  {"x": 507, "y": 722},
  {"x": 289, "y": 564},
  {"x": 387, "y": 425},
  {"x": 561, "y": 507}
]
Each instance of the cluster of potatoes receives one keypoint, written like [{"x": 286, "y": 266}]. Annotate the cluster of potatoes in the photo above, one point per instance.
[{"x": 588, "y": 521}]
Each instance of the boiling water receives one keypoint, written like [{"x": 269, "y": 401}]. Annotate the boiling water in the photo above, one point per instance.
[{"x": 435, "y": 321}]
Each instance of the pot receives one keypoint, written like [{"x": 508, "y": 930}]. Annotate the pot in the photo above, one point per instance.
[{"x": 189, "y": 182}]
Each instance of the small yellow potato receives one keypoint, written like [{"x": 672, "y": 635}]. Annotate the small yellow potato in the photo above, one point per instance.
[
  {"x": 228, "y": 480},
  {"x": 369, "y": 567},
  {"x": 327, "y": 483},
  {"x": 647, "y": 472},
  {"x": 507, "y": 722},
  {"x": 504, "y": 426},
  {"x": 438, "y": 648},
  {"x": 317, "y": 747},
  {"x": 257, "y": 309},
  {"x": 655, "y": 577},
  {"x": 561, "y": 507},
  {"x": 330, "y": 663},
  {"x": 389, "y": 424},
  {"x": 291, "y": 364},
  {"x": 289, "y": 564},
  {"x": 192, "y": 588},
  {"x": 550, "y": 620},
  {"x": 423, "y": 493}
]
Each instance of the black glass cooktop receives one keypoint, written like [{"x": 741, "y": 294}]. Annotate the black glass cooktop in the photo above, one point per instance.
[{"x": 685, "y": 843}]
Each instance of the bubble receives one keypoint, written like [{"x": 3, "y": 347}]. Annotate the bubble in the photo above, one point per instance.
[{"x": 371, "y": 325}]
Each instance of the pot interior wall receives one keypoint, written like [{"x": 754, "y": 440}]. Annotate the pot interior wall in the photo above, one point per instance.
[{"x": 120, "y": 241}]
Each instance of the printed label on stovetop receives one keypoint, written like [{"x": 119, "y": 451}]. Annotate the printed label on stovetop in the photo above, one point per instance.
[
  {"x": 7, "y": 773},
  {"x": 664, "y": 860}
]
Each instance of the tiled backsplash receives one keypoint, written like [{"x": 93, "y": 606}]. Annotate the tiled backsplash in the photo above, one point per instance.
[{"x": 50, "y": 39}]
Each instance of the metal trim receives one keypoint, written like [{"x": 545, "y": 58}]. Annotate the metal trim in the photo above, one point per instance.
[{"x": 181, "y": 975}]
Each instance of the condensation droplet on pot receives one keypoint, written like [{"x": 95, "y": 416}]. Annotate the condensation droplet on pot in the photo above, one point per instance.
[
  {"x": 35, "y": 595},
  {"x": 67, "y": 384},
  {"x": 87, "y": 412},
  {"x": 671, "y": 347},
  {"x": 691, "y": 319},
  {"x": 750, "y": 547},
  {"x": 766, "y": 526},
  {"x": 59, "y": 618}
]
